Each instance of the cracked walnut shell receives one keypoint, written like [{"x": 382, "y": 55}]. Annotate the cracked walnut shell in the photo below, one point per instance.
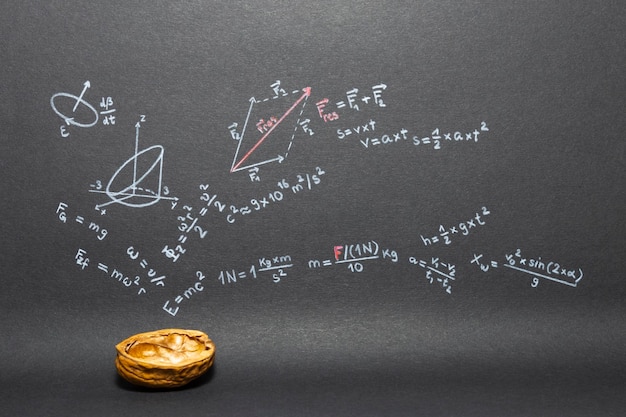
[{"x": 165, "y": 358}]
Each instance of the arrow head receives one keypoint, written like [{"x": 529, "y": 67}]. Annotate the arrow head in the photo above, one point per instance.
[
  {"x": 307, "y": 91},
  {"x": 87, "y": 84},
  {"x": 69, "y": 120}
]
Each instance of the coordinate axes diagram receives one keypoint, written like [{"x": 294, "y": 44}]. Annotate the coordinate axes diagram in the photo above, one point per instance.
[
  {"x": 138, "y": 182},
  {"x": 276, "y": 120}
]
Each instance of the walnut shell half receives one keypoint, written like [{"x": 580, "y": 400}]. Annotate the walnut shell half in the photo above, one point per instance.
[{"x": 165, "y": 358}]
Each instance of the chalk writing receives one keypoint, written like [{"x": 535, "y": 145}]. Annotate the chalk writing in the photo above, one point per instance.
[
  {"x": 276, "y": 266},
  {"x": 152, "y": 274},
  {"x": 355, "y": 255},
  {"x": 100, "y": 232},
  {"x": 186, "y": 294},
  {"x": 329, "y": 112},
  {"x": 400, "y": 135},
  {"x": 81, "y": 258},
  {"x": 537, "y": 267},
  {"x": 106, "y": 104},
  {"x": 323, "y": 113},
  {"x": 174, "y": 252},
  {"x": 277, "y": 122},
  {"x": 462, "y": 228},
  {"x": 266, "y": 135},
  {"x": 437, "y": 271},
  {"x": 77, "y": 111},
  {"x": 300, "y": 182},
  {"x": 436, "y": 138},
  {"x": 369, "y": 126},
  {"x": 483, "y": 264},
  {"x": 83, "y": 262},
  {"x": 210, "y": 201},
  {"x": 74, "y": 110},
  {"x": 188, "y": 226},
  {"x": 355, "y": 100},
  {"x": 138, "y": 182}
]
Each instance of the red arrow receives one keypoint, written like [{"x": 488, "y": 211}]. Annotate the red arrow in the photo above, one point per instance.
[{"x": 307, "y": 93}]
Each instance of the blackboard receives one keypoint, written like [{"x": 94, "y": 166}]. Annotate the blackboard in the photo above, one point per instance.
[{"x": 372, "y": 207}]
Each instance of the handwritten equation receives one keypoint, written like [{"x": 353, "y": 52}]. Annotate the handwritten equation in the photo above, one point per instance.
[
  {"x": 81, "y": 258},
  {"x": 536, "y": 267},
  {"x": 274, "y": 125}
]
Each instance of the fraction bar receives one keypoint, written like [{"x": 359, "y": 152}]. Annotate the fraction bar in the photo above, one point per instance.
[
  {"x": 440, "y": 273},
  {"x": 357, "y": 259},
  {"x": 540, "y": 275},
  {"x": 269, "y": 268}
]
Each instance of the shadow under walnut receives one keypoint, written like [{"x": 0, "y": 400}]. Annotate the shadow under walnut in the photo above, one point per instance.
[{"x": 166, "y": 358}]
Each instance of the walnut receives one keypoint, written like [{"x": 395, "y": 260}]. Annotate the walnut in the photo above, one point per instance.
[{"x": 165, "y": 358}]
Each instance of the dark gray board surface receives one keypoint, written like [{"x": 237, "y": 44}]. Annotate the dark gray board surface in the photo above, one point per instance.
[{"x": 389, "y": 322}]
